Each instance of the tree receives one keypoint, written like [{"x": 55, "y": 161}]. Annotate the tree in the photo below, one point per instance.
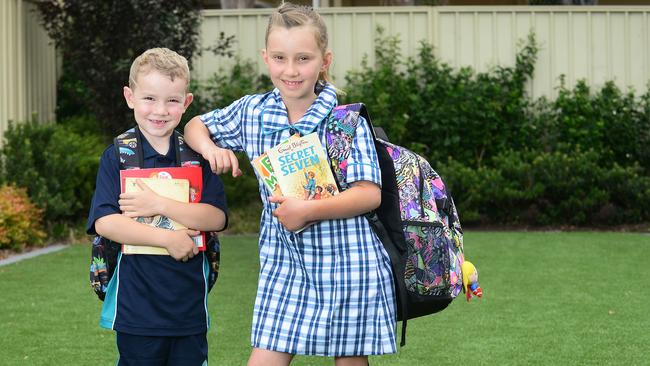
[{"x": 100, "y": 39}]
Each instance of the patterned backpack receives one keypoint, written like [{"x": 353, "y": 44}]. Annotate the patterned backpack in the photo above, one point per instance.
[
  {"x": 417, "y": 221},
  {"x": 105, "y": 252}
]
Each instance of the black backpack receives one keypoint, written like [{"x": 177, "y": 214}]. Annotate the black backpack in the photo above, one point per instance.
[
  {"x": 416, "y": 222},
  {"x": 105, "y": 252}
]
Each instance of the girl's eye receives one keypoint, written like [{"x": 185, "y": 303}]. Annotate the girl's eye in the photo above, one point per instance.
[{"x": 303, "y": 58}]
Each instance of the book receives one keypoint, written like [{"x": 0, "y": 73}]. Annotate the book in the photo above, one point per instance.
[
  {"x": 264, "y": 169},
  {"x": 301, "y": 168},
  {"x": 183, "y": 184}
]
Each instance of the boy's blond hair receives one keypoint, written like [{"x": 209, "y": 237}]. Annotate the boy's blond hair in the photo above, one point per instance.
[{"x": 163, "y": 60}]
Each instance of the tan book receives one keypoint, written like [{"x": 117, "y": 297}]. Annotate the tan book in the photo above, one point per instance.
[
  {"x": 301, "y": 168},
  {"x": 176, "y": 189}
]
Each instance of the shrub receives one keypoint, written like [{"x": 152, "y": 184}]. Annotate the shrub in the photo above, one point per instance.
[
  {"x": 20, "y": 219},
  {"x": 427, "y": 105},
  {"x": 55, "y": 165},
  {"x": 549, "y": 188},
  {"x": 615, "y": 123},
  {"x": 223, "y": 88},
  {"x": 100, "y": 39}
]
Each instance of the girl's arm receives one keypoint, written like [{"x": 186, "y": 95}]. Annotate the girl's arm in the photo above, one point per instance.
[
  {"x": 221, "y": 160},
  {"x": 361, "y": 197},
  {"x": 125, "y": 230},
  {"x": 198, "y": 216}
]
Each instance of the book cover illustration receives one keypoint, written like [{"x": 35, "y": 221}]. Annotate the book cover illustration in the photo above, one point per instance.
[
  {"x": 301, "y": 168},
  {"x": 183, "y": 184},
  {"x": 264, "y": 169}
]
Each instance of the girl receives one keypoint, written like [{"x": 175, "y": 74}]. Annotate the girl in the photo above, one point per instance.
[{"x": 328, "y": 290}]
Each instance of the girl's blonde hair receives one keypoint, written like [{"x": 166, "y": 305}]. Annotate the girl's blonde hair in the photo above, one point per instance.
[
  {"x": 163, "y": 60},
  {"x": 290, "y": 15}
]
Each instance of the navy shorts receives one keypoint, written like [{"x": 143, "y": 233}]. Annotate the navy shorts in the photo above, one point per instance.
[{"x": 162, "y": 351}]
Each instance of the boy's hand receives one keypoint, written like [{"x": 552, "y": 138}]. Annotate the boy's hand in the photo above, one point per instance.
[
  {"x": 222, "y": 160},
  {"x": 144, "y": 203},
  {"x": 181, "y": 246},
  {"x": 291, "y": 212}
]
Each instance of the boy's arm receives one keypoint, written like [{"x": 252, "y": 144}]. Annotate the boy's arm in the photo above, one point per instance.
[
  {"x": 198, "y": 216},
  {"x": 125, "y": 230},
  {"x": 221, "y": 160}
]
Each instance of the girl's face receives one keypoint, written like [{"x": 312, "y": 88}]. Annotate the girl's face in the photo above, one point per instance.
[{"x": 294, "y": 61}]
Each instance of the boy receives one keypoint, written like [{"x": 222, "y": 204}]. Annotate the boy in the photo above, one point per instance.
[{"x": 157, "y": 304}]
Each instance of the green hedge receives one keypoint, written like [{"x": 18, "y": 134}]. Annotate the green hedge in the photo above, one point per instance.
[
  {"x": 57, "y": 165},
  {"x": 582, "y": 158}
]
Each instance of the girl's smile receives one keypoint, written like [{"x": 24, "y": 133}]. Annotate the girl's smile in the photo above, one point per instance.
[{"x": 295, "y": 61}]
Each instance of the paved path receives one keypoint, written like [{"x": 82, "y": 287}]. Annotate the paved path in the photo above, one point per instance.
[{"x": 33, "y": 253}]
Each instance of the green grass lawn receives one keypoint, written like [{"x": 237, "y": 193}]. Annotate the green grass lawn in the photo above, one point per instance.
[{"x": 549, "y": 299}]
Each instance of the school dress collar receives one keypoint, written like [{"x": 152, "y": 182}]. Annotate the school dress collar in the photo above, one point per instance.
[{"x": 275, "y": 118}]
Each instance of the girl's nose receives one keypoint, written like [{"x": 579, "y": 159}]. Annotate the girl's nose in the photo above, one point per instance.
[{"x": 292, "y": 68}]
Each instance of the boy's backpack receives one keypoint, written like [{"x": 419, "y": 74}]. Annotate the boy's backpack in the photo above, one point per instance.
[
  {"x": 105, "y": 252},
  {"x": 416, "y": 222}
]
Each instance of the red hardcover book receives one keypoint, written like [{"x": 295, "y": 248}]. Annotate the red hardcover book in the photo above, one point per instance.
[{"x": 194, "y": 175}]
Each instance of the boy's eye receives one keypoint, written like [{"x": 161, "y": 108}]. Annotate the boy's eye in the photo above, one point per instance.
[
  {"x": 148, "y": 98},
  {"x": 174, "y": 101},
  {"x": 279, "y": 58}
]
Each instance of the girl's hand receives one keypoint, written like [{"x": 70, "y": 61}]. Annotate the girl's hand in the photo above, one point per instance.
[
  {"x": 143, "y": 203},
  {"x": 291, "y": 213},
  {"x": 222, "y": 160}
]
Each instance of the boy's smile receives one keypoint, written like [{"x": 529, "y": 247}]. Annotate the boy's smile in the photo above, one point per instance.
[{"x": 158, "y": 104}]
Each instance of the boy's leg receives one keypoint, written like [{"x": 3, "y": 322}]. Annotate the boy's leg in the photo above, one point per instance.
[
  {"x": 263, "y": 357},
  {"x": 189, "y": 351},
  {"x": 142, "y": 350}
]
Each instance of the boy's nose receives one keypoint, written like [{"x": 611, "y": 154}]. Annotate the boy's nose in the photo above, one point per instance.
[{"x": 160, "y": 108}]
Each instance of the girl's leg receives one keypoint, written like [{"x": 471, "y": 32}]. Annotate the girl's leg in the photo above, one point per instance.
[
  {"x": 263, "y": 357},
  {"x": 351, "y": 361}
]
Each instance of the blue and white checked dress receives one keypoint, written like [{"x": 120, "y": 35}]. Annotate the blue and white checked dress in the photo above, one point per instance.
[{"x": 328, "y": 290}]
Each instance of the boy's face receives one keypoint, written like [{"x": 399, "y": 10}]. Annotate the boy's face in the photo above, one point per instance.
[{"x": 158, "y": 103}]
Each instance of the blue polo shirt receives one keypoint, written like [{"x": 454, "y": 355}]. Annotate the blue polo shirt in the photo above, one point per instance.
[{"x": 153, "y": 295}]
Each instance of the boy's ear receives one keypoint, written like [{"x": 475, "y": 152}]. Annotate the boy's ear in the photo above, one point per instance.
[
  {"x": 128, "y": 96},
  {"x": 188, "y": 100}
]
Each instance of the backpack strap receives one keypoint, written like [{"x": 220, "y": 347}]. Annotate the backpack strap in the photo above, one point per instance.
[
  {"x": 129, "y": 150},
  {"x": 340, "y": 132},
  {"x": 184, "y": 155}
]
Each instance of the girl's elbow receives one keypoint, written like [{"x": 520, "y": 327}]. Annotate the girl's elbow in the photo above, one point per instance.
[{"x": 375, "y": 198}]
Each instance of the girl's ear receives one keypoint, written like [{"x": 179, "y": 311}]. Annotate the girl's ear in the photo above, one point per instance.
[
  {"x": 128, "y": 96},
  {"x": 327, "y": 60},
  {"x": 265, "y": 56}
]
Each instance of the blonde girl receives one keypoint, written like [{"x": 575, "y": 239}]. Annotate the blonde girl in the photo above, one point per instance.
[{"x": 327, "y": 290}]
